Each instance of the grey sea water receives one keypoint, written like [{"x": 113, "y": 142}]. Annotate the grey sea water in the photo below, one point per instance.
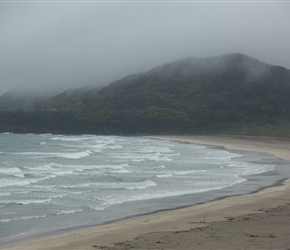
[{"x": 50, "y": 183}]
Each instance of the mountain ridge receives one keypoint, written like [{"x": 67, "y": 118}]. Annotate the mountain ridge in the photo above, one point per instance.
[{"x": 189, "y": 95}]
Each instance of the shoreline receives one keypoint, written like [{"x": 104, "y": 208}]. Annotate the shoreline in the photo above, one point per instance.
[
  {"x": 179, "y": 222},
  {"x": 256, "y": 144}
]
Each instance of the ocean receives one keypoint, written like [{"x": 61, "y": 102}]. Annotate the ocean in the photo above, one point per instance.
[{"x": 53, "y": 183}]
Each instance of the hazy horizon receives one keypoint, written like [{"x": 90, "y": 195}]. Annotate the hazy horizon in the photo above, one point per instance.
[{"x": 54, "y": 46}]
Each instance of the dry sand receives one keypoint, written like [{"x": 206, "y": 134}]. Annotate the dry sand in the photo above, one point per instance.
[{"x": 252, "y": 221}]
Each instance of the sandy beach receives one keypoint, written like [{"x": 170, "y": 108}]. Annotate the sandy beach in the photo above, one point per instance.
[{"x": 253, "y": 221}]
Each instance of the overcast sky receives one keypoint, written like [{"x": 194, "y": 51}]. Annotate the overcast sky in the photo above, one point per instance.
[{"x": 52, "y": 45}]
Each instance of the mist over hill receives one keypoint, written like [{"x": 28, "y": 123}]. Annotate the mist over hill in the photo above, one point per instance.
[{"x": 190, "y": 95}]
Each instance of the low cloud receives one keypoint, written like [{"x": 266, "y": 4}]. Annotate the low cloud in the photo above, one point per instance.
[{"x": 53, "y": 46}]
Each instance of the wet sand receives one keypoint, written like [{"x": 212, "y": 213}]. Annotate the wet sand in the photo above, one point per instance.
[{"x": 253, "y": 221}]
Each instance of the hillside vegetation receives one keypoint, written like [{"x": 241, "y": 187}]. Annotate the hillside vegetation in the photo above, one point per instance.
[{"x": 192, "y": 95}]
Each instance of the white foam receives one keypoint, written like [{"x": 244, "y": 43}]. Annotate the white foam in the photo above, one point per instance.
[
  {"x": 237, "y": 182},
  {"x": 42, "y": 200},
  {"x": 113, "y": 147},
  {"x": 23, "y": 218},
  {"x": 11, "y": 171},
  {"x": 69, "y": 139},
  {"x": 68, "y": 155},
  {"x": 164, "y": 175},
  {"x": 74, "y": 186},
  {"x": 42, "y": 168},
  {"x": 62, "y": 212},
  {"x": 121, "y": 166},
  {"x": 189, "y": 172},
  {"x": 156, "y": 194},
  {"x": 75, "y": 155},
  {"x": 133, "y": 157},
  {"x": 121, "y": 171},
  {"x": 46, "y": 134},
  {"x": 90, "y": 138},
  {"x": 153, "y": 150},
  {"x": 158, "y": 167},
  {"x": 130, "y": 185},
  {"x": 245, "y": 168},
  {"x": 48, "y": 171},
  {"x": 55, "y": 164},
  {"x": 27, "y": 202},
  {"x": 5, "y": 194},
  {"x": 8, "y": 182},
  {"x": 139, "y": 160},
  {"x": 96, "y": 207},
  {"x": 99, "y": 168},
  {"x": 238, "y": 165},
  {"x": 96, "y": 148}
]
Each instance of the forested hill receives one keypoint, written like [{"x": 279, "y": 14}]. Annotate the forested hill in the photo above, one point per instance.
[{"x": 191, "y": 95}]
